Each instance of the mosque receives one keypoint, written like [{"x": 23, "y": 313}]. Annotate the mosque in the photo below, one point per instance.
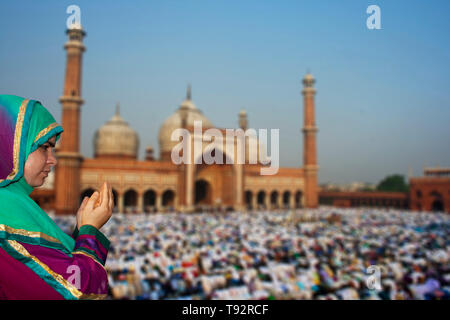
[{"x": 158, "y": 184}]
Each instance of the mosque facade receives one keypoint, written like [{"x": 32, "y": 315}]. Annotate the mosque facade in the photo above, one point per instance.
[
  {"x": 158, "y": 184},
  {"x": 431, "y": 192}
]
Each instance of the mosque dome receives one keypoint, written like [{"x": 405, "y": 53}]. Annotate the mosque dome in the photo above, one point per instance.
[
  {"x": 175, "y": 121},
  {"x": 116, "y": 139}
]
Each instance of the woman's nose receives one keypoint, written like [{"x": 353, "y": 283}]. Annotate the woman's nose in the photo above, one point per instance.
[{"x": 52, "y": 159}]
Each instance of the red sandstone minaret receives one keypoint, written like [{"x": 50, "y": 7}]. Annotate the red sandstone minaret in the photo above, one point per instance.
[
  {"x": 67, "y": 175},
  {"x": 309, "y": 143}
]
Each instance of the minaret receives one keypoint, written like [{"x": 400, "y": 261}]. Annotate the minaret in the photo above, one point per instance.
[
  {"x": 309, "y": 143},
  {"x": 67, "y": 177}
]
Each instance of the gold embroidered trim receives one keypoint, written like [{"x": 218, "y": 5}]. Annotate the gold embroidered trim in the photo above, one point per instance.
[
  {"x": 45, "y": 131},
  {"x": 59, "y": 278},
  {"x": 88, "y": 255},
  {"x": 31, "y": 234},
  {"x": 17, "y": 136}
]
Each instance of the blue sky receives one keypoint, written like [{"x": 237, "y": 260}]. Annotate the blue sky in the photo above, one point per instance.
[{"x": 383, "y": 98}]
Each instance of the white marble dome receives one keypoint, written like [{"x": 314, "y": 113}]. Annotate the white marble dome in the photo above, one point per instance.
[
  {"x": 116, "y": 138},
  {"x": 174, "y": 122}
]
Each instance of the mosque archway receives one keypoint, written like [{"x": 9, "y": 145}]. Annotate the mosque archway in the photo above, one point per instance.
[
  {"x": 149, "y": 200},
  {"x": 261, "y": 199},
  {"x": 168, "y": 199},
  {"x": 249, "y": 199},
  {"x": 203, "y": 193},
  {"x": 130, "y": 201},
  {"x": 286, "y": 199},
  {"x": 437, "y": 203},
  {"x": 298, "y": 199},
  {"x": 214, "y": 183},
  {"x": 274, "y": 199}
]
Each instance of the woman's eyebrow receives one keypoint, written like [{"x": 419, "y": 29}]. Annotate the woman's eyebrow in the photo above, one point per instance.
[{"x": 50, "y": 143}]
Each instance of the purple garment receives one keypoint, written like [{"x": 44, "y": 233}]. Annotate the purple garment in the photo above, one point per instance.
[
  {"x": 92, "y": 277},
  {"x": 32, "y": 271},
  {"x": 7, "y": 127},
  {"x": 18, "y": 282},
  {"x": 89, "y": 242}
]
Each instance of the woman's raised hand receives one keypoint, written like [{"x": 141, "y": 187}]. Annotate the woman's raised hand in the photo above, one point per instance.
[{"x": 96, "y": 210}]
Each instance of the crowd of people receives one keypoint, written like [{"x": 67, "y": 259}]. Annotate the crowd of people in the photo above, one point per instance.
[{"x": 326, "y": 253}]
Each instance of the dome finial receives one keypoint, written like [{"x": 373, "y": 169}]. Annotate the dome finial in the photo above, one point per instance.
[
  {"x": 243, "y": 121},
  {"x": 118, "y": 109},
  {"x": 188, "y": 92},
  {"x": 308, "y": 80}
]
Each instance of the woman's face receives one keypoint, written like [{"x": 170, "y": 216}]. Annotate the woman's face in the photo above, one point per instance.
[{"x": 39, "y": 163}]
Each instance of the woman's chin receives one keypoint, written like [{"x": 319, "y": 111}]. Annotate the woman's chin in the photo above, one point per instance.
[
  {"x": 37, "y": 183},
  {"x": 43, "y": 180}
]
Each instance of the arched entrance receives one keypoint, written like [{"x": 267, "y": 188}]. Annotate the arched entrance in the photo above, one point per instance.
[
  {"x": 168, "y": 200},
  {"x": 130, "y": 201},
  {"x": 286, "y": 199},
  {"x": 203, "y": 193},
  {"x": 437, "y": 203},
  {"x": 214, "y": 184},
  {"x": 298, "y": 199},
  {"x": 248, "y": 199},
  {"x": 149, "y": 201},
  {"x": 274, "y": 199},
  {"x": 262, "y": 199}
]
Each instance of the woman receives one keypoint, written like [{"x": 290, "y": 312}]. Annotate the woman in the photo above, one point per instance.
[{"x": 37, "y": 259}]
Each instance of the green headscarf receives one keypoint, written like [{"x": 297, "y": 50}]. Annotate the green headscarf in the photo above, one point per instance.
[{"x": 24, "y": 126}]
